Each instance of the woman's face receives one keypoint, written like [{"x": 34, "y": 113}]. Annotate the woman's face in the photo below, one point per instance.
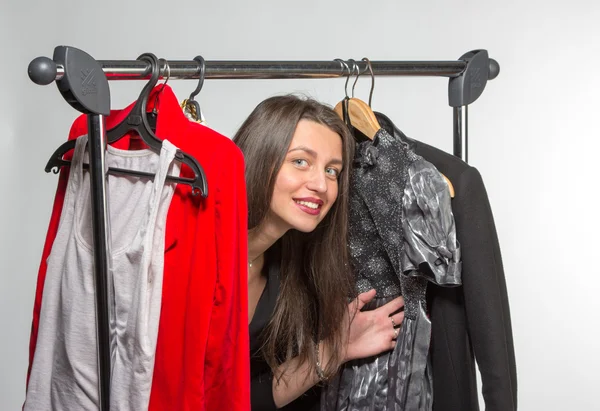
[{"x": 307, "y": 183}]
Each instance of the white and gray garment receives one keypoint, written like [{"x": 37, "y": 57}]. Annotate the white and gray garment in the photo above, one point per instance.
[
  {"x": 402, "y": 238},
  {"x": 64, "y": 370}
]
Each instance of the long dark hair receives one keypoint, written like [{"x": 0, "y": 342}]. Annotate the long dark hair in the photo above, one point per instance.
[{"x": 316, "y": 280}]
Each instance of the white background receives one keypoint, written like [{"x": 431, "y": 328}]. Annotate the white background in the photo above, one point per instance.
[{"x": 533, "y": 135}]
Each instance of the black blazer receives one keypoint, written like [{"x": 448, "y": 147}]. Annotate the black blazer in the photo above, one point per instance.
[{"x": 472, "y": 321}]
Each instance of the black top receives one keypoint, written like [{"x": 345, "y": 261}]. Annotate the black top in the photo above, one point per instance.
[{"x": 261, "y": 389}]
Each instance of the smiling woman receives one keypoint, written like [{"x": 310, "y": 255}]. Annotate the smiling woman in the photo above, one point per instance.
[{"x": 298, "y": 154}]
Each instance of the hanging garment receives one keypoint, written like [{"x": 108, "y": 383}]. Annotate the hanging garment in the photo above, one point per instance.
[
  {"x": 402, "y": 236},
  {"x": 64, "y": 372},
  {"x": 471, "y": 322},
  {"x": 201, "y": 360}
]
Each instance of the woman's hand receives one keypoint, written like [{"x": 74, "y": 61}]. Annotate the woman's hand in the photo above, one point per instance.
[{"x": 372, "y": 332}]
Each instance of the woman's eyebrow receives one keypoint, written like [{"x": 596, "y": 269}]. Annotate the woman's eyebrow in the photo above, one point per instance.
[
  {"x": 313, "y": 153},
  {"x": 306, "y": 149}
]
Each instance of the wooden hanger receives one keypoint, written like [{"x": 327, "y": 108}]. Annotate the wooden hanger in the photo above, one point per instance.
[
  {"x": 361, "y": 116},
  {"x": 359, "y": 113},
  {"x": 450, "y": 186},
  {"x": 363, "y": 119}
]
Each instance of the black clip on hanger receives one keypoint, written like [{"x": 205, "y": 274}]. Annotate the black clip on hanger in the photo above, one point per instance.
[
  {"x": 190, "y": 100},
  {"x": 137, "y": 120},
  {"x": 153, "y": 115}
]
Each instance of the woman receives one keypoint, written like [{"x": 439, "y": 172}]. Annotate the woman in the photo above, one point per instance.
[{"x": 298, "y": 155}]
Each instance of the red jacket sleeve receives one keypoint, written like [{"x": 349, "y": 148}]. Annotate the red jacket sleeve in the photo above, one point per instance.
[{"x": 227, "y": 351}]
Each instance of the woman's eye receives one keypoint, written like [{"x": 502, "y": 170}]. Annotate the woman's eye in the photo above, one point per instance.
[
  {"x": 333, "y": 172},
  {"x": 301, "y": 163}
]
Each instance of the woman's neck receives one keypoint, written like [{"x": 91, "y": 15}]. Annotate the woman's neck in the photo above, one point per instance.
[{"x": 260, "y": 239}]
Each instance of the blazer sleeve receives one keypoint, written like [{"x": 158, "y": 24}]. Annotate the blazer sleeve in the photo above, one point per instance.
[
  {"x": 227, "y": 366},
  {"x": 485, "y": 293}
]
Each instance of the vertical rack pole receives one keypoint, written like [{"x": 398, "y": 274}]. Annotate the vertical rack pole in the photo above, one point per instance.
[
  {"x": 102, "y": 261},
  {"x": 461, "y": 133},
  {"x": 85, "y": 87}
]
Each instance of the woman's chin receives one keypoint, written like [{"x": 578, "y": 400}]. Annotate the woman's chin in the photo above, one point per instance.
[{"x": 305, "y": 227}]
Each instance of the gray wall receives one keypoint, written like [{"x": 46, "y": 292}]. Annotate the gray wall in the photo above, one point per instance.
[{"x": 533, "y": 135}]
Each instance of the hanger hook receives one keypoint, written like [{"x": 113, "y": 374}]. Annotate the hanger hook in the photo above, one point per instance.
[
  {"x": 202, "y": 63},
  {"x": 354, "y": 67},
  {"x": 155, "y": 75},
  {"x": 347, "y": 73},
  {"x": 168, "y": 69},
  {"x": 370, "y": 67},
  {"x": 358, "y": 74},
  {"x": 154, "y": 70}
]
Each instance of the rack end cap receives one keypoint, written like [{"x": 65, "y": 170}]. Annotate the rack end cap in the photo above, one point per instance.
[
  {"x": 494, "y": 69},
  {"x": 42, "y": 70}
]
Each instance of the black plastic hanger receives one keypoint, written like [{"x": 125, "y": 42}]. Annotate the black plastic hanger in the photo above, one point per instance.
[{"x": 137, "y": 120}]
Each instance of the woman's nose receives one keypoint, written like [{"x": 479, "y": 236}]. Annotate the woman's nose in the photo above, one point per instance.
[{"x": 317, "y": 182}]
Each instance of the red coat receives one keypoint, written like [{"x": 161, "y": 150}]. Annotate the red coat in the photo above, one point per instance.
[{"x": 202, "y": 360}]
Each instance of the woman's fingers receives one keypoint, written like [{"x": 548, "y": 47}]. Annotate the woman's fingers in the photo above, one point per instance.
[
  {"x": 364, "y": 298},
  {"x": 392, "y": 306},
  {"x": 397, "y": 319}
]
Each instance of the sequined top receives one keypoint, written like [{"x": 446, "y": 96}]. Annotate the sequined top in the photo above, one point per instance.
[{"x": 401, "y": 222}]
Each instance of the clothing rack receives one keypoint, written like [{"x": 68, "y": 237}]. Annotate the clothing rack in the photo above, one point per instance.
[{"x": 83, "y": 82}]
